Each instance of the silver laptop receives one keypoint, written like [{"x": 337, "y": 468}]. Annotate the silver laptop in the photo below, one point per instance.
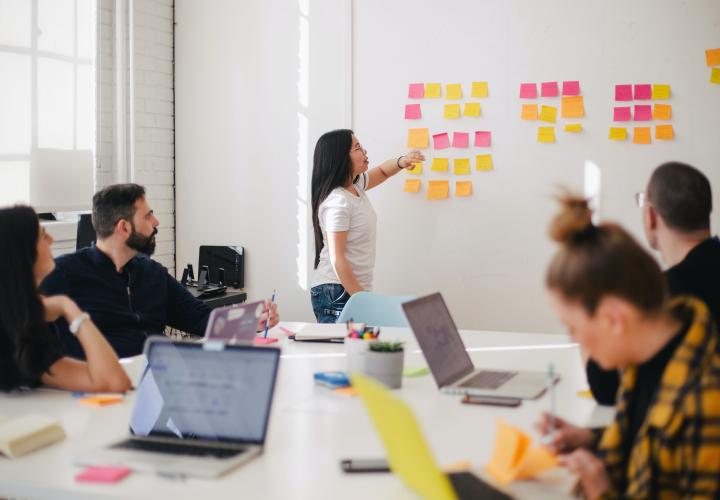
[
  {"x": 235, "y": 323},
  {"x": 450, "y": 363},
  {"x": 200, "y": 410}
]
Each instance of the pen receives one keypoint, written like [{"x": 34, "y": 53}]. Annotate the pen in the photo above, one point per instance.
[{"x": 267, "y": 320}]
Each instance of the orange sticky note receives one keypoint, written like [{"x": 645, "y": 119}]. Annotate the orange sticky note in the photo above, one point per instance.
[
  {"x": 641, "y": 135},
  {"x": 438, "y": 190},
  {"x": 661, "y": 111},
  {"x": 471, "y": 109},
  {"x": 546, "y": 135},
  {"x": 433, "y": 90},
  {"x": 462, "y": 166},
  {"x": 617, "y": 134},
  {"x": 712, "y": 57},
  {"x": 514, "y": 458},
  {"x": 548, "y": 114},
  {"x": 535, "y": 461},
  {"x": 479, "y": 89},
  {"x": 418, "y": 138},
  {"x": 664, "y": 132},
  {"x": 572, "y": 107},
  {"x": 483, "y": 162},
  {"x": 416, "y": 169},
  {"x": 660, "y": 91},
  {"x": 452, "y": 91},
  {"x": 412, "y": 185},
  {"x": 439, "y": 164},
  {"x": 463, "y": 188},
  {"x": 715, "y": 76},
  {"x": 529, "y": 112},
  {"x": 451, "y": 111},
  {"x": 101, "y": 399}
]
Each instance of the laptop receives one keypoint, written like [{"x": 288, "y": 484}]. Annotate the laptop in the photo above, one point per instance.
[
  {"x": 450, "y": 363},
  {"x": 408, "y": 453},
  {"x": 200, "y": 410},
  {"x": 235, "y": 323}
]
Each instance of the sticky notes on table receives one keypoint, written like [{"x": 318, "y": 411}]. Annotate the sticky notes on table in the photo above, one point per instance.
[
  {"x": 479, "y": 89},
  {"x": 712, "y": 57},
  {"x": 483, "y": 162},
  {"x": 642, "y": 91},
  {"x": 715, "y": 76},
  {"x": 643, "y": 112},
  {"x": 451, "y": 111},
  {"x": 546, "y": 135},
  {"x": 528, "y": 91},
  {"x": 573, "y": 127},
  {"x": 438, "y": 190},
  {"x": 622, "y": 114},
  {"x": 441, "y": 141},
  {"x": 463, "y": 188},
  {"x": 623, "y": 92},
  {"x": 461, "y": 140},
  {"x": 453, "y": 91},
  {"x": 660, "y": 91},
  {"x": 548, "y": 114},
  {"x": 617, "y": 134},
  {"x": 102, "y": 474},
  {"x": 572, "y": 106},
  {"x": 417, "y": 168},
  {"x": 664, "y": 132},
  {"x": 413, "y": 112},
  {"x": 416, "y": 90},
  {"x": 549, "y": 89},
  {"x": 514, "y": 457},
  {"x": 471, "y": 109},
  {"x": 641, "y": 135},
  {"x": 529, "y": 112},
  {"x": 418, "y": 138},
  {"x": 101, "y": 399},
  {"x": 482, "y": 139},
  {"x": 439, "y": 164},
  {"x": 662, "y": 112},
  {"x": 461, "y": 166},
  {"x": 433, "y": 90},
  {"x": 571, "y": 87},
  {"x": 412, "y": 185}
]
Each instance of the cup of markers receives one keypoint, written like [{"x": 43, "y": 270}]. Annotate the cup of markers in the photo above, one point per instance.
[{"x": 357, "y": 345}]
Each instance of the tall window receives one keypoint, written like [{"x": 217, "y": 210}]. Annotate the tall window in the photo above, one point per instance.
[{"x": 47, "y": 103}]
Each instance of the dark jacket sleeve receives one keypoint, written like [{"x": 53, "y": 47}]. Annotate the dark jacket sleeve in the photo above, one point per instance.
[
  {"x": 604, "y": 384},
  {"x": 56, "y": 283},
  {"x": 185, "y": 312}
]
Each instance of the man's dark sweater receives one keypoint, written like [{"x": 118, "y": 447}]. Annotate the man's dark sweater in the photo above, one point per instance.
[{"x": 127, "y": 307}]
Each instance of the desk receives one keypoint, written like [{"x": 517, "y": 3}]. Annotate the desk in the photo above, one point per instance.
[
  {"x": 231, "y": 296},
  {"x": 311, "y": 429}
]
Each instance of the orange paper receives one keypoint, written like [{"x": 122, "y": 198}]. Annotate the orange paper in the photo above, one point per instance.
[
  {"x": 641, "y": 135},
  {"x": 572, "y": 107},
  {"x": 712, "y": 57},
  {"x": 529, "y": 112},
  {"x": 412, "y": 185},
  {"x": 418, "y": 138},
  {"x": 664, "y": 132},
  {"x": 463, "y": 188},
  {"x": 514, "y": 458},
  {"x": 101, "y": 399},
  {"x": 662, "y": 111},
  {"x": 438, "y": 190}
]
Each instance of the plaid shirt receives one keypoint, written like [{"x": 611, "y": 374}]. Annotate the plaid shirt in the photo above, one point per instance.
[{"x": 676, "y": 452}]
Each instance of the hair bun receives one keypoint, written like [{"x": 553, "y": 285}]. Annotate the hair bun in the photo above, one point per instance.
[{"x": 575, "y": 218}]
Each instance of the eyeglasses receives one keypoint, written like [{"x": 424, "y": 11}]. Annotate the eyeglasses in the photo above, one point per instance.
[{"x": 640, "y": 199}]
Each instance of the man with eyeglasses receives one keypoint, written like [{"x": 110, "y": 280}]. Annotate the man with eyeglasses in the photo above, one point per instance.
[{"x": 676, "y": 209}]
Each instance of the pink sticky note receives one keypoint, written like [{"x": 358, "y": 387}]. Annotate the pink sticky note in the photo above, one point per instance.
[
  {"x": 549, "y": 89},
  {"x": 441, "y": 141},
  {"x": 461, "y": 140},
  {"x": 528, "y": 91},
  {"x": 412, "y": 112},
  {"x": 416, "y": 91},
  {"x": 102, "y": 474},
  {"x": 643, "y": 112},
  {"x": 571, "y": 87},
  {"x": 482, "y": 139},
  {"x": 643, "y": 91},
  {"x": 622, "y": 114},
  {"x": 264, "y": 340},
  {"x": 623, "y": 92}
]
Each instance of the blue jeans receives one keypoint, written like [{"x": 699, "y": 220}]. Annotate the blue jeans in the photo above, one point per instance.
[{"x": 328, "y": 301}]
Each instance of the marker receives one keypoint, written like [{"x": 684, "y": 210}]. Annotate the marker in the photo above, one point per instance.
[{"x": 267, "y": 321}]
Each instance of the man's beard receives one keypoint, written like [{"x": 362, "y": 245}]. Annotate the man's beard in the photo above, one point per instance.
[{"x": 143, "y": 244}]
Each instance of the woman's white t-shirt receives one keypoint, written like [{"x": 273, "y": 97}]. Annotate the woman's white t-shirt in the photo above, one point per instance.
[{"x": 344, "y": 211}]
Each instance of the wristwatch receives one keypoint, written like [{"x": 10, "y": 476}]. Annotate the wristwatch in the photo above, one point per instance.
[{"x": 75, "y": 324}]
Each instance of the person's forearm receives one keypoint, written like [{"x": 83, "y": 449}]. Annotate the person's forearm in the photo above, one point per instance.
[
  {"x": 102, "y": 363},
  {"x": 388, "y": 168},
  {"x": 346, "y": 275}
]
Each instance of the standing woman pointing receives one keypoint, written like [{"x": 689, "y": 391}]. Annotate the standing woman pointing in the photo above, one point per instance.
[{"x": 344, "y": 220}]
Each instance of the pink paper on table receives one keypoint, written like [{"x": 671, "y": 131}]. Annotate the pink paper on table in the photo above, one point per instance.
[
  {"x": 622, "y": 114},
  {"x": 528, "y": 91},
  {"x": 412, "y": 112},
  {"x": 482, "y": 139},
  {"x": 102, "y": 474},
  {"x": 461, "y": 140},
  {"x": 623, "y": 92},
  {"x": 549, "y": 89},
  {"x": 441, "y": 141},
  {"x": 643, "y": 112},
  {"x": 571, "y": 87},
  {"x": 416, "y": 91},
  {"x": 643, "y": 91}
]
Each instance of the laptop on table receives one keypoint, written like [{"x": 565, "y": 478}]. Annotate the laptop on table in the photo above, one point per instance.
[
  {"x": 450, "y": 363},
  {"x": 235, "y": 323},
  {"x": 200, "y": 410}
]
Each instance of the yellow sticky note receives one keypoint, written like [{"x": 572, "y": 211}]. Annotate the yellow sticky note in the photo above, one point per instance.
[
  {"x": 471, "y": 109},
  {"x": 617, "y": 134},
  {"x": 664, "y": 132},
  {"x": 660, "y": 91},
  {"x": 548, "y": 114},
  {"x": 483, "y": 162},
  {"x": 418, "y": 138},
  {"x": 479, "y": 89},
  {"x": 416, "y": 169},
  {"x": 572, "y": 106},
  {"x": 662, "y": 111},
  {"x": 439, "y": 165},
  {"x": 463, "y": 188},
  {"x": 641, "y": 135},
  {"x": 438, "y": 190},
  {"x": 546, "y": 135},
  {"x": 585, "y": 393},
  {"x": 412, "y": 185},
  {"x": 715, "y": 76},
  {"x": 529, "y": 112},
  {"x": 573, "y": 127},
  {"x": 712, "y": 57},
  {"x": 433, "y": 90},
  {"x": 452, "y": 91},
  {"x": 462, "y": 166},
  {"x": 452, "y": 111}
]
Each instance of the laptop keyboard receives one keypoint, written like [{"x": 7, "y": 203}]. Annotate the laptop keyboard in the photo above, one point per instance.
[
  {"x": 178, "y": 449},
  {"x": 487, "y": 379},
  {"x": 469, "y": 486}
]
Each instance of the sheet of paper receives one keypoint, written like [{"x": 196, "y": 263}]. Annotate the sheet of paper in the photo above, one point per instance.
[
  {"x": 412, "y": 185},
  {"x": 571, "y": 87},
  {"x": 461, "y": 140},
  {"x": 479, "y": 89},
  {"x": 641, "y": 135},
  {"x": 433, "y": 90},
  {"x": 416, "y": 90},
  {"x": 617, "y": 134},
  {"x": 662, "y": 112},
  {"x": 642, "y": 91},
  {"x": 416, "y": 169},
  {"x": 623, "y": 92},
  {"x": 482, "y": 139},
  {"x": 664, "y": 132},
  {"x": 471, "y": 109},
  {"x": 535, "y": 461},
  {"x": 712, "y": 57},
  {"x": 549, "y": 89},
  {"x": 715, "y": 76},
  {"x": 461, "y": 166},
  {"x": 546, "y": 135},
  {"x": 510, "y": 446},
  {"x": 463, "y": 188},
  {"x": 451, "y": 111},
  {"x": 418, "y": 138},
  {"x": 573, "y": 127},
  {"x": 622, "y": 114},
  {"x": 660, "y": 91},
  {"x": 441, "y": 141},
  {"x": 413, "y": 112},
  {"x": 548, "y": 114},
  {"x": 438, "y": 190},
  {"x": 439, "y": 164},
  {"x": 453, "y": 91},
  {"x": 529, "y": 112},
  {"x": 643, "y": 112},
  {"x": 528, "y": 91},
  {"x": 573, "y": 106},
  {"x": 483, "y": 162}
]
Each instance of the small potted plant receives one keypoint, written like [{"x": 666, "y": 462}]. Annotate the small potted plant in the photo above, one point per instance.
[{"x": 384, "y": 362}]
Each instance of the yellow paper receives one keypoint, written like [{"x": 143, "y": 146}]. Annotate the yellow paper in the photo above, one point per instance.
[
  {"x": 529, "y": 112},
  {"x": 712, "y": 57},
  {"x": 418, "y": 138},
  {"x": 660, "y": 91},
  {"x": 417, "y": 168},
  {"x": 438, "y": 190},
  {"x": 462, "y": 166},
  {"x": 546, "y": 135},
  {"x": 463, "y": 188},
  {"x": 664, "y": 132},
  {"x": 573, "y": 127},
  {"x": 439, "y": 165},
  {"x": 471, "y": 109},
  {"x": 585, "y": 393},
  {"x": 483, "y": 162},
  {"x": 618, "y": 134},
  {"x": 572, "y": 107},
  {"x": 715, "y": 76},
  {"x": 412, "y": 185},
  {"x": 480, "y": 89},
  {"x": 433, "y": 90},
  {"x": 641, "y": 135},
  {"x": 452, "y": 91},
  {"x": 548, "y": 114},
  {"x": 452, "y": 111},
  {"x": 514, "y": 458},
  {"x": 662, "y": 112}
]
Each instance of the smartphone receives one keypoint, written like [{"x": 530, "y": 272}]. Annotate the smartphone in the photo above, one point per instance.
[
  {"x": 491, "y": 400},
  {"x": 365, "y": 465}
]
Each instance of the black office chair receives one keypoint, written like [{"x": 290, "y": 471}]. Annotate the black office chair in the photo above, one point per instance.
[{"x": 85, "y": 232}]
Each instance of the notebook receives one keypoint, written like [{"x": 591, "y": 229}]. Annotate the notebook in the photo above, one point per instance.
[{"x": 21, "y": 435}]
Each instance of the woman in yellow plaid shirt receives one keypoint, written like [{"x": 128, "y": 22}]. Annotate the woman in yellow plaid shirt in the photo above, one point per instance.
[{"x": 665, "y": 439}]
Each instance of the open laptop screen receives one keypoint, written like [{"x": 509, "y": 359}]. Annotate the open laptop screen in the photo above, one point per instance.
[{"x": 205, "y": 391}]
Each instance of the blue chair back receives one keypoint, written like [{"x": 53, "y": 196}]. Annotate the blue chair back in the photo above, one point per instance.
[{"x": 375, "y": 310}]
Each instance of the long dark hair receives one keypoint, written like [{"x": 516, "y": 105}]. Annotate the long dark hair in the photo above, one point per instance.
[
  {"x": 331, "y": 168},
  {"x": 25, "y": 339}
]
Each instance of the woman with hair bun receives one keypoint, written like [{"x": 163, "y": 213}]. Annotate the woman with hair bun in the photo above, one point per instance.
[{"x": 611, "y": 294}]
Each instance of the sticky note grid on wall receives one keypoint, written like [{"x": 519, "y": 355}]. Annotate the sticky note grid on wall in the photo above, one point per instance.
[
  {"x": 637, "y": 103},
  {"x": 572, "y": 107}
]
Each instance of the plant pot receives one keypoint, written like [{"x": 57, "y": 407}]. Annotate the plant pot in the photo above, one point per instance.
[{"x": 385, "y": 367}]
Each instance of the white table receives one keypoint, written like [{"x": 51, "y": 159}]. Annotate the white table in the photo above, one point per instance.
[{"x": 312, "y": 429}]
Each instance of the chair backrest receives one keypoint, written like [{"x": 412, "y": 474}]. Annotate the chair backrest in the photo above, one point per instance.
[
  {"x": 85, "y": 232},
  {"x": 375, "y": 310}
]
